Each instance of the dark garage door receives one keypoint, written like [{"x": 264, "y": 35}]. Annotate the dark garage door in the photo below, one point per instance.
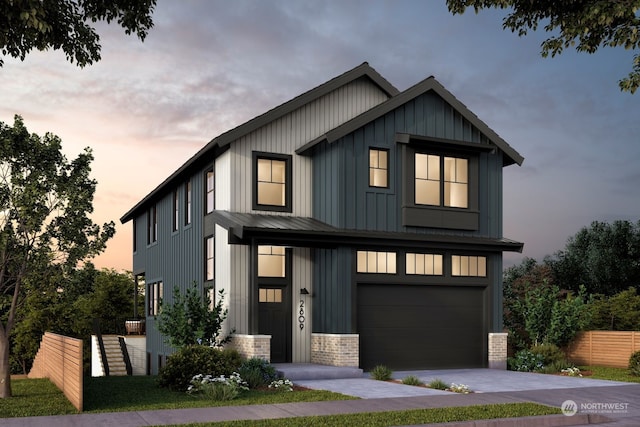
[{"x": 421, "y": 327}]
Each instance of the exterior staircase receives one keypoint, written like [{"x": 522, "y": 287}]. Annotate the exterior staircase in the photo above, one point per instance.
[{"x": 115, "y": 359}]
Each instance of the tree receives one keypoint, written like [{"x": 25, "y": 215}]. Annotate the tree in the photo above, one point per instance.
[
  {"x": 45, "y": 202},
  {"x": 603, "y": 257},
  {"x": 64, "y": 24},
  {"x": 586, "y": 24},
  {"x": 190, "y": 320}
]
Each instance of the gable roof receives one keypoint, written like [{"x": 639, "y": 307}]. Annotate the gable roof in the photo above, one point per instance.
[
  {"x": 428, "y": 84},
  {"x": 220, "y": 142}
]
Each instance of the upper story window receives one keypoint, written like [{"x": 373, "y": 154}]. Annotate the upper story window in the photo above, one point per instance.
[
  {"x": 272, "y": 182},
  {"x": 210, "y": 194},
  {"x": 376, "y": 262},
  {"x": 424, "y": 264},
  {"x": 176, "y": 211},
  {"x": 187, "y": 203},
  {"x": 135, "y": 235},
  {"x": 271, "y": 261},
  {"x": 441, "y": 181},
  {"x": 209, "y": 261},
  {"x": 152, "y": 224},
  {"x": 470, "y": 266},
  {"x": 378, "y": 167}
]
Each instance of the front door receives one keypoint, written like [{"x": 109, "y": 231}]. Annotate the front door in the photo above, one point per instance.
[
  {"x": 274, "y": 318},
  {"x": 274, "y": 299}
]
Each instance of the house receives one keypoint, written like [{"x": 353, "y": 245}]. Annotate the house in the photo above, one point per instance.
[{"x": 353, "y": 225}]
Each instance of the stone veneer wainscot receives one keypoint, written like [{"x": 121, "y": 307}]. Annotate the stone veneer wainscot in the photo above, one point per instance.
[{"x": 335, "y": 349}]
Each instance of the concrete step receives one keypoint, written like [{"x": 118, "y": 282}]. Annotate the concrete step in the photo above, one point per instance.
[{"x": 311, "y": 371}]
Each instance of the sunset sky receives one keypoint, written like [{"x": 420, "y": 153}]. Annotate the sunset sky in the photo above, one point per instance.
[{"x": 208, "y": 66}]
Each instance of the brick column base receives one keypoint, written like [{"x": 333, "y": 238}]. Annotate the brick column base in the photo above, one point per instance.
[
  {"x": 335, "y": 349},
  {"x": 252, "y": 346},
  {"x": 498, "y": 350}
]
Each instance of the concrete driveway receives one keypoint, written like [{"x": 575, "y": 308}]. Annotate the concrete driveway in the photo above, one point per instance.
[{"x": 478, "y": 380}]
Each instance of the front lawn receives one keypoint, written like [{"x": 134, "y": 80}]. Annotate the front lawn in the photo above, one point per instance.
[{"x": 613, "y": 374}]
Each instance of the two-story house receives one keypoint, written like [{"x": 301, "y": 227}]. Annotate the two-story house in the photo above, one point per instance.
[{"x": 353, "y": 225}]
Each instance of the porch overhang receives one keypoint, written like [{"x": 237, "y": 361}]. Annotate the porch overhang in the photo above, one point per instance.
[{"x": 245, "y": 228}]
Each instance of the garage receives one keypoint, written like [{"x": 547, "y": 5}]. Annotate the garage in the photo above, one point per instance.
[{"x": 408, "y": 327}]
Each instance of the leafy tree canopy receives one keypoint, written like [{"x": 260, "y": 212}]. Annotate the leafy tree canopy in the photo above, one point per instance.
[
  {"x": 65, "y": 24},
  {"x": 586, "y": 25},
  {"x": 45, "y": 203}
]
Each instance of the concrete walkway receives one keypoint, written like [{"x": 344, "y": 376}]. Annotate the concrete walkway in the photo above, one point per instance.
[{"x": 596, "y": 401}]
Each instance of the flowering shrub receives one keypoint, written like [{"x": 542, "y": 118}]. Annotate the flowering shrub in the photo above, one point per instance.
[
  {"x": 526, "y": 361},
  {"x": 281, "y": 385},
  {"x": 459, "y": 388},
  {"x": 572, "y": 371},
  {"x": 218, "y": 388}
]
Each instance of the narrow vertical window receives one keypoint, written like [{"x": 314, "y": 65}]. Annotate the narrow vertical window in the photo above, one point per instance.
[
  {"x": 456, "y": 182},
  {"x": 154, "y": 299},
  {"x": 378, "y": 167},
  {"x": 135, "y": 235},
  {"x": 210, "y": 181},
  {"x": 152, "y": 224},
  {"x": 187, "y": 203},
  {"x": 210, "y": 264},
  {"x": 176, "y": 211},
  {"x": 427, "y": 179}
]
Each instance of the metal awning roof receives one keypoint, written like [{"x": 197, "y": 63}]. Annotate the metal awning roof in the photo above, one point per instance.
[{"x": 245, "y": 228}]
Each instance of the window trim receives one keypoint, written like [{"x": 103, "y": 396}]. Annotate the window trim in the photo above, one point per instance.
[
  {"x": 288, "y": 159},
  {"x": 155, "y": 295},
  {"x": 152, "y": 224},
  {"x": 175, "y": 221},
  {"x": 209, "y": 191},
  {"x": 207, "y": 258},
  {"x": 419, "y": 215},
  {"x": 188, "y": 203}
]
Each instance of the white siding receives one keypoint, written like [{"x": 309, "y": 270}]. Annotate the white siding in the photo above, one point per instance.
[
  {"x": 222, "y": 181},
  {"x": 302, "y": 273},
  {"x": 285, "y": 135}
]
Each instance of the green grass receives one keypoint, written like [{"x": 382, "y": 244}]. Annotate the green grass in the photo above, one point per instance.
[
  {"x": 411, "y": 417},
  {"x": 34, "y": 398},
  {"x": 613, "y": 374},
  {"x": 120, "y": 394}
]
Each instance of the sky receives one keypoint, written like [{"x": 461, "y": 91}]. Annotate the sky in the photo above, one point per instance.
[{"x": 208, "y": 66}]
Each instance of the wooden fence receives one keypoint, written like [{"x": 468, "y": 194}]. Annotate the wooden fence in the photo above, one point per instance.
[
  {"x": 604, "y": 348},
  {"x": 60, "y": 359}
]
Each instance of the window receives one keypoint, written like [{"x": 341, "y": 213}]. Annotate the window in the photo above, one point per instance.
[
  {"x": 378, "y": 167},
  {"x": 472, "y": 266},
  {"x": 210, "y": 265},
  {"x": 270, "y": 295},
  {"x": 272, "y": 182},
  {"x": 187, "y": 203},
  {"x": 432, "y": 187},
  {"x": 271, "y": 261},
  {"x": 210, "y": 202},
  {"x": 135, "y": 235},
  {"x": 211, "y": 297},
  {"x": 176, "y": 213},
  {"x": 154, "y": 298},
  {"x": 376, "y": 262},
  {"x": 424, "y": 264},
  {"x": 152, "y": 224}
]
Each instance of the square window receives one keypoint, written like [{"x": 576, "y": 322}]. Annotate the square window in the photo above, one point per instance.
[{"x": 272, "y": 182}]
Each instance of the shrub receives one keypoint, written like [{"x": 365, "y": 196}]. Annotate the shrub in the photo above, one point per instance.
[
  {"x": 634, "y": 364},
  {"x": 381, "y": 373},
  {"x": 257, "y": 372},
  {"x": 438, "y": 384},
  {"x": 192, "y": 360},
  {"x": 217, "y": 388},
  {"x": 572, "y": 371},
  {"x": 550, "y": 353},
  {"x": 412, "y": 380},
  {"x": 557, "y": 366},
  {"x": 460, "y": 388},
  {"x": 526, "y": 361}
]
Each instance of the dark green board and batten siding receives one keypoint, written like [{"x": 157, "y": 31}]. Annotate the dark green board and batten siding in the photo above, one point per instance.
[
  {"x": 342, "y": 196},
  {"x": 176, "y": 259}
]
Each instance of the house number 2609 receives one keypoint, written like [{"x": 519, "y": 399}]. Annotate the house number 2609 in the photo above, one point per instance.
[{"x": 301, "y": 317}]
